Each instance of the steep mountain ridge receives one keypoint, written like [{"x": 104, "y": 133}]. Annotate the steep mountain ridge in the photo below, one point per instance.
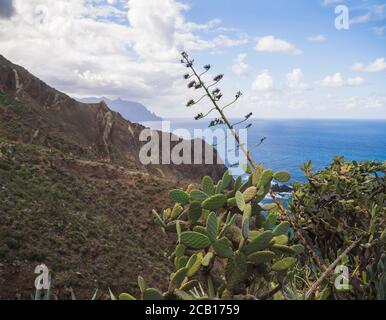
[
  {"x": 74, "y": 195},
  {"x": 50, "y": 118}
]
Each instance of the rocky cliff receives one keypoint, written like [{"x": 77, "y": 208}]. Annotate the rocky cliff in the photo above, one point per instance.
[
  {"x": 50, "y": 118},
  {"x": 74, "y": 195}
]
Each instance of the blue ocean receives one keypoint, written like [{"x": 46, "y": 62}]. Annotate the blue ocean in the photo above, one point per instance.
[{"x": 290, "y": 143}]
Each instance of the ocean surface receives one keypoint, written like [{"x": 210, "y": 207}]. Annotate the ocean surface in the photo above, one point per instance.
[{"x": 290, "y": 143}]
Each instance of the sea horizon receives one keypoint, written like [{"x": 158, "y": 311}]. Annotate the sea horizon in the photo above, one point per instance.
[{"x": 291, "y": 142}]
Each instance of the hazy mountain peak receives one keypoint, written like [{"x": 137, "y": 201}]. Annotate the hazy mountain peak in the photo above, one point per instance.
[{"x": 130, "y": 110}]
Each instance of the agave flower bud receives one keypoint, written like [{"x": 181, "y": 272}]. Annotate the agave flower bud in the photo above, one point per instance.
[
  {"x": 248, "y": 115},
  {"x": 190, "y": 103},
  {"x": 216, "y": 91},
  {"x": 207, "y": 67},
  {"x": 248, "y": 126},
  {"x": 191, "y": 84},
  {"x": 187, "y": 76},
  {"x": 199, "y": 116},
  {"x": 198, "y": 86},
  {"x": 218, "y": 78}
]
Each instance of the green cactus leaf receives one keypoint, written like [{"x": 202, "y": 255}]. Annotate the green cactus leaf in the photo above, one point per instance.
[
  {"x": 176, "y": 211},
  {"x": 141, "y": 284},
  {"x": 266, "y": 178},
  {"x": 215, "y": 202},
  {"x": 261, "y": 257},
  {"x": 207, "y": 259},
  {"x": 226, "y": 179},
  {"x": 253, "y": 234},
  {"x": 246, "y": 185},
  {"x": 249, "y": 194},
  {"x": 179, "y": 196},
  {"x": 126, "y": 296},
  {"x": 260, "y": 242},
  {"x": 212, "y": 227},
  {"x": 298, "y": 248},
  {"x": 283, "y": 249},
  {"x": 231, "y": 202},
  {"x": 240, "y": 201},
  {"x": 200, "y": 229},
  {"x": 282, "y": 228},
  {"x": 219, "y": 187},
  {"x": 192, "y": 260},
  {"x": 247, "y": 168},
  {"x": 198, "y": 195},
  {"x": 178, "y": 230},
  {"x": 257, "y": 174},
  {"x": 152, "y": 294},
  {"x": 383, "y": 235},
  {"x": 261, "y": 193},
  {"x": 189, "y": 285},
  {"x": 195, "y": 211},
  {"x": 223, "y": 248},
  {"x": 194, "y": 264},
  {"x": 158, "y": 219},
  {"x": 183, "y": 295},
  {"x": 282, "y": 176},
  {"x": 208, "y": 186},
  {"x": 238, "y": 183},
  {"x": 283, "y": 264},
  {"x": 236, "y": 269},
  {"x": 195, "y": 240},
  {"x": 177, "y": 279},
  {"x": 282, "y": 239},
  {"x": 211, "y": 289},
  {"x": 270, "y": 220},
  {"x": 246, "y": 220},
  {"x": 180, "y": 262}
]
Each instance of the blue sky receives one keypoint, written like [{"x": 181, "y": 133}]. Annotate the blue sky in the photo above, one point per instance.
[{"x": 286, "y": 56}]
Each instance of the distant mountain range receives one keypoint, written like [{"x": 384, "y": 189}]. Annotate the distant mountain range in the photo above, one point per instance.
[{"x": 131, "y": 111}]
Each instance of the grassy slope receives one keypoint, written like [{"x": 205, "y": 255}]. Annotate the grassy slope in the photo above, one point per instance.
[{"x": 88, "y": 222}]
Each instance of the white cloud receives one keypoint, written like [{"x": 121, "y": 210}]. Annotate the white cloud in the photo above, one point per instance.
[
  {"x": 328, "y": 2},
  {"x": 337, "y": 80},
  {"x": 379, "y": 30},
  {"x": 112, "y": 48},
  {"x": 294, "y": 81},
  {"x": 317, "y": 38},
  {"x": 272, "y": 44},
  {"x": 361, "y": 19},
  {"x": 370, "y": 102},
  {"x": 376, "y": 66},
  {"x": 263, "y": 82},
  {"x": 240, "y": 68},
  {"x": 371, "y": 13}
]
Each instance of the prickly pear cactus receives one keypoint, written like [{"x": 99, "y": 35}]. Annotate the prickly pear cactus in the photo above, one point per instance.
[{"x": 228, "y": 243}]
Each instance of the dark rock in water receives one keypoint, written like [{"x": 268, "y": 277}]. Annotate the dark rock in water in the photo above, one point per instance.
[{"x": 281, "y": 188}]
